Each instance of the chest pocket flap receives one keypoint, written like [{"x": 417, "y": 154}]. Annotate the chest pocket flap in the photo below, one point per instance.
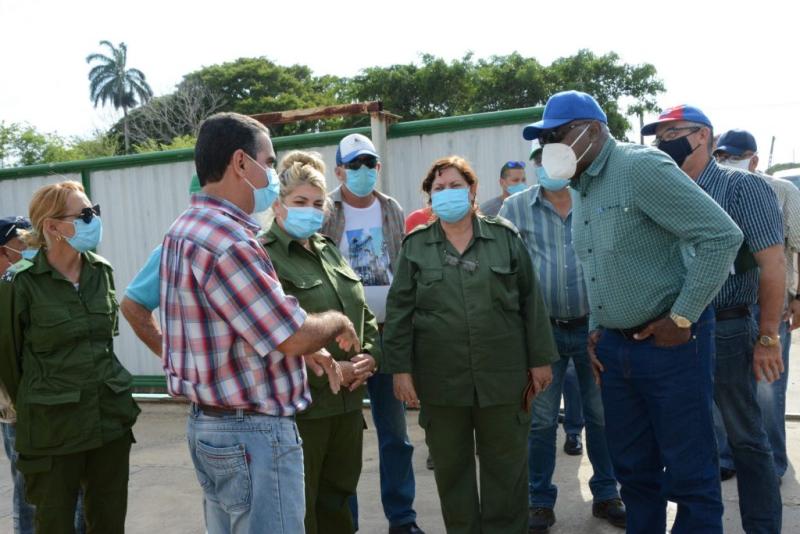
[{"x": 301, "y": 281}]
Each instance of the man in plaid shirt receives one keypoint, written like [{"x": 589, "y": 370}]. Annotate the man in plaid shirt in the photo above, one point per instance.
[{"x": 234, "y": 343}]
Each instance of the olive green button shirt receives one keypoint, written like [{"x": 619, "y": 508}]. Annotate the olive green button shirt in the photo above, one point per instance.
[
  {"x": 650, "y": 240},
  {"x": 57, "y": 358},
  {"x": 322, "y": 281},
  {"x": 466, "y": 326}
]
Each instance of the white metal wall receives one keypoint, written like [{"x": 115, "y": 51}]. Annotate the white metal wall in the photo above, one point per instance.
[{"x": 140, "y": 203}]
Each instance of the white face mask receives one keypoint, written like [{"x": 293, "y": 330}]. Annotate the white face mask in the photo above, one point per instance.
[
  {"x": 743, "y": 164},
  {"x": 559, "y": 160}
]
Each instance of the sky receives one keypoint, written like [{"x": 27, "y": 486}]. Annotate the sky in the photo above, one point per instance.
[{"x": 738, "y": 61}]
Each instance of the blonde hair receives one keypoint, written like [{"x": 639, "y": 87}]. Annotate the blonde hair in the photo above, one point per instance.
[
  {"x": 48, "y": 201},
  {"x": 298, "y": 168}
]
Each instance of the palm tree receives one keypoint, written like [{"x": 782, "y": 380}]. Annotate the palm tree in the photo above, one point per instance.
[{"x": 109, "y": 80}]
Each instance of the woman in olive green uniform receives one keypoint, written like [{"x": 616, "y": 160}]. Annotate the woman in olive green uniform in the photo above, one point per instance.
[
  {"x": 58, "y": 318},
  {"x": 465, "y": 328},
  {"x": 312, "y": 270}
]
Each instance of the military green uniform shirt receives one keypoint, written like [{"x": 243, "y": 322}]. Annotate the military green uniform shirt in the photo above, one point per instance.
[
  {"x": 466, "y": 325},
  {"x": 57, "y": 358},
  {"x": 323, "y": 281}
]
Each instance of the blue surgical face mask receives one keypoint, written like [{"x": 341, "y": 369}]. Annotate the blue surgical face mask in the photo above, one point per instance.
[
  {"x": 451, "y": 205},
  {"x": 303, "y": 222},
  {"x": 264, "y": 197},
  {"x": 517, "y": 188},
  {"x": 29, "y": 253},
  {"x": 551, "y": 184},
  {"x": 361, "y": 182},
  {"x": 87, "y": 235}
]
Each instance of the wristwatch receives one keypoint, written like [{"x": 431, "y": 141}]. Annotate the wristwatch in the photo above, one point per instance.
[
  {"x": 680, "y": 321},
  {"x": 768, "y": 341}
]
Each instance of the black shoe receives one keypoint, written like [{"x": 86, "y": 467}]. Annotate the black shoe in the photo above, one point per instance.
[
  {"x": 573, "y": 445},
  {"x": 611, "y": 510},
  {"x": 726, "y": 474},
  {"x": 540, "y": 519},
  {"x": 408, "y": 528},
  {"x": 429, "y": 462}
]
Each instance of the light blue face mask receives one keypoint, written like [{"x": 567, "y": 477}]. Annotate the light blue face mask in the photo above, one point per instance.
[
  {"x": 303, "y": 222},
  {"x": 451, "y": 205},
  {"x": 29, "y": 253},
  {"x": 361, "y": 182},
  {"x": 264, "y": 197},
  {"x": 517, "y": 188},
  {"x": 551, "y": 184},
  {"x": 87, "y": 236}
]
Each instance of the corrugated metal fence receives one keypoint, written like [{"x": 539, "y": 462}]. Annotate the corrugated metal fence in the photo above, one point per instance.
[{"x": 142, "y": 194}]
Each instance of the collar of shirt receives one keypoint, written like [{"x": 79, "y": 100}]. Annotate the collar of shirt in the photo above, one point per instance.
[
  {"x": 42, "y": 265},
  {"x": 708, "y": 173},
  {"x": 596, "y": 167},
  {"x": 279, "y": 235},
  {"x": 336, "y": 196},
  {"x": 479, "y": 230},
  {"x": 205, "y": 201}
]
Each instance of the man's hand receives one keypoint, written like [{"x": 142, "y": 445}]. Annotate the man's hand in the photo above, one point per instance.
[
  {"x": 363, "y": 366},
  {"x": 591, "y": 348},
  {"x": 542, "y": 378},
  {"x": 347, "y": 339},
  {"x": 767, "y": 362},
  {"x": 404, "y": 389},
  {"x": 321, "y": 362},
  {"x": 793, "y": 314},
  {"x": 665, "y": 333}
]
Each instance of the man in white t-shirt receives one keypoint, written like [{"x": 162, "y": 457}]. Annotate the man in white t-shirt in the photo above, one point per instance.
[{"x": 368, "y": 226}]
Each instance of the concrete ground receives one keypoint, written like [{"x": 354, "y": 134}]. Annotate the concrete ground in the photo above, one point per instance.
[{"x": 165, "y": 496}]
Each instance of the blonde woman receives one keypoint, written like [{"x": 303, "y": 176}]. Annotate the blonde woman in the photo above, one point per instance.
[
  {"x": 58, "y": 318},
  {"x": 312, "y": 270}
]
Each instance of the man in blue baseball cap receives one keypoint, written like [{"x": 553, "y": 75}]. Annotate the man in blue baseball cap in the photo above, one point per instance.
[
  {"x": 746, "y": 350},
  {"x": 12, "y": 247},
  {"x": 650, "y": 327}
]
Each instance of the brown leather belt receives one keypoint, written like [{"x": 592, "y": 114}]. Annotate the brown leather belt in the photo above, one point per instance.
[
  {"x": 734, "y": 312},
  {"x": 628, "y": 333}
]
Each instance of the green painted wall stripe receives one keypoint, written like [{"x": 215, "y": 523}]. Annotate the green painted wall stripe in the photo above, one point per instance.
[
  {"x": 401, "y": 129},
  {"x": 150, "y": 381}
]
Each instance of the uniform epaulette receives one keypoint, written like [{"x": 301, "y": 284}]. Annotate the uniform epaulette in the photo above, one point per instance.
[
  {"x": 417, "y": 229},
  {"x": 329, "y": 239},
  {"x": 96, "y": 258},
  {"x": 11, "y": 272},
  {"x": 501, "y": 221}
]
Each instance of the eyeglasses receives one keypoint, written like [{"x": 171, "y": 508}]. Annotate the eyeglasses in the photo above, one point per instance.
[
  {"x": 552, "y": 136},
  {"x": 468, "y": 265},
  {"x": 356, "y": 164},
  {"x": 86, "y": 214},
  {"x": 670, "y": 134}
]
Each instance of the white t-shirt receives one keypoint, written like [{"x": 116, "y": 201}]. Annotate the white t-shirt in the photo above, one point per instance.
[{"x": 363, "y": 247}]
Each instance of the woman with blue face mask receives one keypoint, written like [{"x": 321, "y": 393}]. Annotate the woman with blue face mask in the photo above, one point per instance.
[
  {"x": 468, "y": 338},
  {"x": 75, "y": 411},
  {"x": 311, "y": 269}
]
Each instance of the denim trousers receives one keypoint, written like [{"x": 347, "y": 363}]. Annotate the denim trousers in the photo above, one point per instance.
[
  {"x": 22, "y": 512},
  {"x": 542, "y": 492},
  {"x": 573, "y": 404},
  {"x": 251, "y": 470},
  {"x": 735, "y": 394},
  {"x": 660, "y": 431}
]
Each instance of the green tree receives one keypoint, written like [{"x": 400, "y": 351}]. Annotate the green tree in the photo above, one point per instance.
[{"x": 110, "y": 80}]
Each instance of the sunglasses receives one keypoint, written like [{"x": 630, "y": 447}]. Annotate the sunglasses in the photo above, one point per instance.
[
  {"x": 552, "y": 136},
  {"x": 356, "y": 164},
  {"x": 515, "y": 165},
  {"x": 86, "y": 214}
]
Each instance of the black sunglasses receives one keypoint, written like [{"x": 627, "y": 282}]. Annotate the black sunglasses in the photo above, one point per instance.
[
  {"x": 356, "y": 164},
  {"x": 86, "y": 214},
  {"x": 552, "y": 136}
]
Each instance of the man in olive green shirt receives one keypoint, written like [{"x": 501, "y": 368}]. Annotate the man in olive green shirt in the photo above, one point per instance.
[{"x": 655, "y": 250}]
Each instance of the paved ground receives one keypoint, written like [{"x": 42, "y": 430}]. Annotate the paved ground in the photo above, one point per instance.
[{"x": 165, "y": 496}]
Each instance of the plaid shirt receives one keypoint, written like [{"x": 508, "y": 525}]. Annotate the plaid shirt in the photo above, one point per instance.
[{"x": 223, "y": 313}]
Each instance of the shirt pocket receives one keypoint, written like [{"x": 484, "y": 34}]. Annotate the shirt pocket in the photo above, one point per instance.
[
  {"x": 504, "y": 285},
  {"x": 615, "y": 228},
  {"x": 102, "y": 315},
  {"x": 116, "y": 401},
  {"x": 51, "y": 327},
  {"x": 348, "y": 286},
  {"x": 55, "y": 417},
  {"x": 430, "y": 288}
]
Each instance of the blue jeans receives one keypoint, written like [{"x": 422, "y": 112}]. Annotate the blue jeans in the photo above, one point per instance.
[
  {"x": 23, "y": 513},
  {"x": 772, "y": 400},
  {"x": 573, "y": 410},
  {"x": 660, "y": 431},
  {"x": 251, "y": 470},
  {"x": 735, "y": 393},
  {"x": 544, "y": 425}
]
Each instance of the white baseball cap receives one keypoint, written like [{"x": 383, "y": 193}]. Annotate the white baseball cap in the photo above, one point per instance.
[{"x": 352, "y": 146}]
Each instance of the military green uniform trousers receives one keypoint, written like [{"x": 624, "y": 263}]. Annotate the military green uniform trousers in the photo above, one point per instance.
[
  {"x": 501, "y": 436},
  {"x": 332, "y": 460},
  {"x": 52, "y": 483}
]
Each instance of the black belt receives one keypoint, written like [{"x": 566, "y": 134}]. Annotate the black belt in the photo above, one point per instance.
[
  {"x": 569, "y": 324},
  {"x": 628, "y": 333},
  {"x": 734, "y": 312},
  {"x": 217, "y": 411}
]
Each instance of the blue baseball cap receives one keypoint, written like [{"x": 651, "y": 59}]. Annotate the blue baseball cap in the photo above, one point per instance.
[
  {"x": 9, "y": 227},
  {"x": 736, "y": 142},
  {"x": 565, "y": 107},
  {"x": 677, "y": 113}
]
